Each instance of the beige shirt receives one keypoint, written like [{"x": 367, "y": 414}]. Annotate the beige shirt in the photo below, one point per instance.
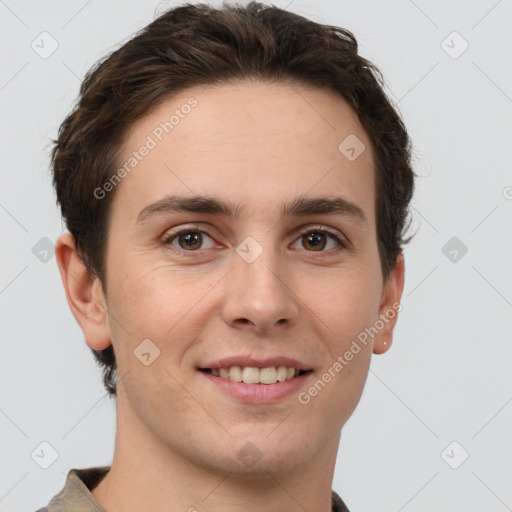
[{"x": 76, "y": 495}]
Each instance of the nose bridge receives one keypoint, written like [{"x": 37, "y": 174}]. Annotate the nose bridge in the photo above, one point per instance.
[
  {"x": 258, "y": 266},
  {"x": 258, "y": 291}
]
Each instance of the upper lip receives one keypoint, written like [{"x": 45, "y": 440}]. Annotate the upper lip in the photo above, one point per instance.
[{"x": 226, "y": 362}]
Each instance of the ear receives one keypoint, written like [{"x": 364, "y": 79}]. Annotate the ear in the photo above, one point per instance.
[
  {"x": 84, "y": 294},
  {"x": 390, "y": 306}
]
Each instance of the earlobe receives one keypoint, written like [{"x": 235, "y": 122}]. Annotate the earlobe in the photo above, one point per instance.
[
  {"x": 83, "y": 293},
  {"x": 389, "y": 307}
]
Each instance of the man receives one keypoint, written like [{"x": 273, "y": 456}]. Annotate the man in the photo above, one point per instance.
[{"x": 235, "y": 184}]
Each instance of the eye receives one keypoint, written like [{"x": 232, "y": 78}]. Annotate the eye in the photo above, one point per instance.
[
  {"x": 315, "y": 238},
  {"x": 187, "y": 239}
]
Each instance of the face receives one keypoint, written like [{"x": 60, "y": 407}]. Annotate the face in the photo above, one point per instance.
[{"x": 195, "y": 289}]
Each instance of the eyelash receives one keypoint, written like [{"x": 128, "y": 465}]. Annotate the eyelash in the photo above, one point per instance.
[{"x": 167, "y": 240}]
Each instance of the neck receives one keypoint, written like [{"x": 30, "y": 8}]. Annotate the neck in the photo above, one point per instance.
[{"x": 148, "y": 474}]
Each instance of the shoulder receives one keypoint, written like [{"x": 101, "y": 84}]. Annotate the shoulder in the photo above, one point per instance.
[{"x": 76, "y": 493}]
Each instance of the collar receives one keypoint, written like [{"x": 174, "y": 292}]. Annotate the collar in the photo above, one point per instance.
[{"x": 76, "y": 495}]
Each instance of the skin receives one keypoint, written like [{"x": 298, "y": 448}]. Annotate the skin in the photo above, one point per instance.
[{"x": 178, "y": 436}]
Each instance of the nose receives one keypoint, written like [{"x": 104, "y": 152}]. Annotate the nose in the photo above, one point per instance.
[{"x": 260, "y": 295}]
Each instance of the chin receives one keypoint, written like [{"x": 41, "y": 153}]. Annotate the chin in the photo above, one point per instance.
[
  {"x": 258, "y": 465},
  {"x": 254, "y": 455}
]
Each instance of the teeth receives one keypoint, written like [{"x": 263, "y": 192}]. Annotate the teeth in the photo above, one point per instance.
[
  {"x": 253, "y": 375},
  {"x": 235, "y": 373},
  {"x": 282, "y": 373},
  {"x": 268, "y": 375}
]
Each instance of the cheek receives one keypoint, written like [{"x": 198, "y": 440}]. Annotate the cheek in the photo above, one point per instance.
[
  {"x": 158, "y": 400},
  {"x": 160, "y": 304},
  {"x": 151, "y": 299},
  {"x": 335, "y": 392},
  {"x": 154, "y": 313},
  {"x": 344, "y": 307},
  {"x": 346, "y": 302}
]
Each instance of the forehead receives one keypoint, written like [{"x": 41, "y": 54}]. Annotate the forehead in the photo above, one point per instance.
[{"x": 252, "y": 140}]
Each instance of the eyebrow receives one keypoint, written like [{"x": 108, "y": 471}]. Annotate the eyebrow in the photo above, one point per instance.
[{"x": 301, "y": 206}]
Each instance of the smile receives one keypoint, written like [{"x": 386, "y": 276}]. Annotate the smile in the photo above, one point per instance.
[{"x": 255, "y": 375}]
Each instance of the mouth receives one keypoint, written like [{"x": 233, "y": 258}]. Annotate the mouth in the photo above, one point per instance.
[{"x": 256, "y": 375}]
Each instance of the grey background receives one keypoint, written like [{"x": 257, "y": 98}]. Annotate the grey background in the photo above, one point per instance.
[{"x": 447, "y": 376}]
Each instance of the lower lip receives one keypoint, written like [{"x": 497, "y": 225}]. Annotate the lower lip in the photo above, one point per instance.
[{"x": 258, "y": 393}]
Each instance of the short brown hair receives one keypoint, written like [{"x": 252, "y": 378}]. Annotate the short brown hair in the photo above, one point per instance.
[{"x": 198, "y": 44}]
